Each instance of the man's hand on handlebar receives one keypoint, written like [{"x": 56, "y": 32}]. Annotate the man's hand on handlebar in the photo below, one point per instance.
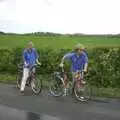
[
  {"x": 85, "y": 70},
  {"x": 26, "y": 65}
]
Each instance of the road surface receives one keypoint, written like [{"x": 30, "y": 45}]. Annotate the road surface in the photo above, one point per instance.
[{"x": 13, "y": 106}]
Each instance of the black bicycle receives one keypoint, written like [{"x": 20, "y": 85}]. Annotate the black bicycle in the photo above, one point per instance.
[
  {"x": 33, "y": 81},
  {"x": 79, "y": 88}
]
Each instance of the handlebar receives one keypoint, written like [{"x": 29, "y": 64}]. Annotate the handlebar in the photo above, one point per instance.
[
  {"x": 21, "y": 65},
  {"x": 78, "y": 71}
]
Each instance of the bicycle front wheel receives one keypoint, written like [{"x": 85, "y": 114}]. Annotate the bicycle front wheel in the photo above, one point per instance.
[
  {"x": 36, "y": 85},
  {"x": 56, "y": 85},
  {"x": 82, "y": 93}
]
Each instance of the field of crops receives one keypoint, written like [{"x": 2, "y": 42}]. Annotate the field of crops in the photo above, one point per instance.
[{"x": 57, "y": 42}]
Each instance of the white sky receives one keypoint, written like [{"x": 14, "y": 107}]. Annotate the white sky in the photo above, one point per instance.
[{"x": 60, "y": 16}]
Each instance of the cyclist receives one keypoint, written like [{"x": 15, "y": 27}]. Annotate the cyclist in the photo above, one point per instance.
[
  {"x": 78, "y": 59},
  {"x": 30, "y": 57}
]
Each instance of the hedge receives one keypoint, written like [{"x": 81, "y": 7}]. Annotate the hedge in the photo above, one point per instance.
[{"x": 104, "y": 64}]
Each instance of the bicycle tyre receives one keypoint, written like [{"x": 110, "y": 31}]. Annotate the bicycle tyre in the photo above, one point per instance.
[
  {"x": 57, "y": 85},
  {"x": 83, "y": 94},
  {"x": 36, "y": 85}
]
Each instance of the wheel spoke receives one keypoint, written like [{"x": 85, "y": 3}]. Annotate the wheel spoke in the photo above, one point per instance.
[
  {"x": 36, "y": 86},
  {"x": 56, "y": 86},
  {"x": 83, "y": 93}
]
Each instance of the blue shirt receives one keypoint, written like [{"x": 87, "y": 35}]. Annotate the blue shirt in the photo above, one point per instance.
[
  {"x": 78, "y": 61},
  {"x": 30, "y": 56}
]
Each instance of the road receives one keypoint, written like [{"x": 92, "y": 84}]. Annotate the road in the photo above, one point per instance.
[{"x": 13, "y": 106}]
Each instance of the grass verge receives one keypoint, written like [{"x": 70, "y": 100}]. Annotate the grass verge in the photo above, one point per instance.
[{"x": 100, "y": 92}]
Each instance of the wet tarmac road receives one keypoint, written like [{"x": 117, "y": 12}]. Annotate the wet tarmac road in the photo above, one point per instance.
[{"x": 13, "y": 106}]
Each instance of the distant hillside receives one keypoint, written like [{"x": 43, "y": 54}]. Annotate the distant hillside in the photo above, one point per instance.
[
  {"x": 2, "y": 33},
  {"x": 58, "y": 34}
]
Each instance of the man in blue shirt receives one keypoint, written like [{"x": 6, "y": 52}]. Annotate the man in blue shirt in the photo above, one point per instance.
[
  {"x": 30, "y": 57},
  {"x": 78, "y": 58}
]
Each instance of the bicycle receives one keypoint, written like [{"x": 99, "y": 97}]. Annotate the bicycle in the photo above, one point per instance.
[
  {"x": 80, "y": 90},
  {"x": 33, "y": 81}
]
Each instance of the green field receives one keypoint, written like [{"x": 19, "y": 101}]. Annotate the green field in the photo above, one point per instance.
[{"x": 57, "y": 42}]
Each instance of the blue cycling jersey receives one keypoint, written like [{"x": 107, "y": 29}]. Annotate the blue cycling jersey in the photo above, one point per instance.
[
  {"x": 78, "y": 61},
  {"x": 30, "y": 56}
]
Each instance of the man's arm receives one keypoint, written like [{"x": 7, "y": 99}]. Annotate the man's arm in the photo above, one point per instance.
[
  {"x": 37, "y": 56},
  {"x": 85, "y": 63},
  {"x": 26, "y": 63},
  {"x": 66, "y": 56},
  {"x": 36, "y": 53},
  {"x": 85, "y": 67}
]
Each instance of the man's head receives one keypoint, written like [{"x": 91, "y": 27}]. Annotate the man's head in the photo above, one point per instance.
[
  {"x": 79, "y": 48},
  {"x": 30, "y": 45}
]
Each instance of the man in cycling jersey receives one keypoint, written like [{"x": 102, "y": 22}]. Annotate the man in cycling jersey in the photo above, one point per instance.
[
  {"x": 30, "y": 57},
  {"x": 78, "y": 59}
]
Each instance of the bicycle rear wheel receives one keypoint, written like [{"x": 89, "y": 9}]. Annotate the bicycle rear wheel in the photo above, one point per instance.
[
  {"x": 56, "y": 85},
  {"x": 36, "y": 85},
  {"x": 82, "y": 93}
]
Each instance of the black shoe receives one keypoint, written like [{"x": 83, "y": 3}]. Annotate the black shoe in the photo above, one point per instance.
[{"x": 22, "y": 93}]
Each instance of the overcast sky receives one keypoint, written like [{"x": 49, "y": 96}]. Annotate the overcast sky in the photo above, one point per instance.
[{"x": 60, "y": 16}]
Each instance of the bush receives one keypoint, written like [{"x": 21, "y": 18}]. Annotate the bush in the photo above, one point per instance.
[{"x": 104, "y": 64}]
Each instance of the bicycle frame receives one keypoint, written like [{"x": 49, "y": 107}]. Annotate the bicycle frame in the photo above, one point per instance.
[
  {"x": 31, "y": 72},
  {"x": 79, "y": 75}
]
